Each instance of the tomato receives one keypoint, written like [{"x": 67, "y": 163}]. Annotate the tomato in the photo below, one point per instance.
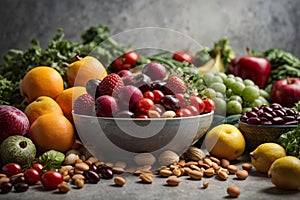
[
  {"x": 182, "y": 56},
  {"x": 149, "y": 95},
  {"x": 183, "y": 112},
  {"x": 38, "y": 167},
  {"x": 51, "y": 179},
  {"x": 32, "y": 176},
  {"x": 197, "y": 102},
  {"x": 182, "y": 100},
  {"x": 193, "y": 110},
  {"x": 11, "y": 169},
  {"x": 126, "y": 61},
  {"x": 157, "y": 95},
  {"x": 131, "y": 57},
  {"x": 144, "y": 105},
  {"x": 209, "y": 105}
]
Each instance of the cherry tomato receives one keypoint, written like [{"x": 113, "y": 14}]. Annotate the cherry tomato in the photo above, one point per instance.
[
  {"x": 11, "y": 169},
  {"x": 131, "y": 57},
  {"x": 51, "y": 179},
  {"x": 193, "y": 110},
  {"x": 157, "y": 95},
  {"x": 144, "y": 105},
  {"x": 209, "y": 105},
  {"x": 118, "y": 64},
  {"x": 197, "y": 102},
  {"x": 149, "y": 95},
  {"x": 183, "y": 112},
  {"x": 38, "y": 167},
  {"x": 182, "y": 100},
  {"x": 182, "y": 56},
  {"x": 32, "y": 176}
]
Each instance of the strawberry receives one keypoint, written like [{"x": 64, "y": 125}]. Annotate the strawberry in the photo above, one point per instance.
[
  {"x": 175, "y": 85},
  {"x": 111, "y": 85},
  {"x": 84, "y": 105}
]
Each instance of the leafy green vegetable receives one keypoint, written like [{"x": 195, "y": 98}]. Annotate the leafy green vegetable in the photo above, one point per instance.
[
  {"x": 297, "y": 106},
  {"x": 222, "y": 46},
  {"x": 51, "y": 159},
  {"x": 291, "y": 142},
  {"x": 283, "y": 64},
  {"x": 58, "y": 54}
]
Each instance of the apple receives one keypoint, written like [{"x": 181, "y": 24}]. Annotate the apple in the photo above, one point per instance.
[
  {"x": 286, "y": 91},
  {"x": 17, "y": 149},
  {"x": 12, "y": 122},
  {"x": 257, "y": 69}
]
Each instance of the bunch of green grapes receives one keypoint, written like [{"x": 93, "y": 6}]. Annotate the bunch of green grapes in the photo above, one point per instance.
[{"x": 232, "y": 94}]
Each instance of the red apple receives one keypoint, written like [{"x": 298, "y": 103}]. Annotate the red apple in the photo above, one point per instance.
[
  {"x": 12, "y": 122},
  {"x": 286, "y": 91},
  {"x": 257, "y": 69}
]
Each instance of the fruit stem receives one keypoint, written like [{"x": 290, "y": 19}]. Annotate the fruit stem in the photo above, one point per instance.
[
  {"x": 23, "y": 144},
  {"x": 248, "y": 50},
  {"x": 288, "y": 80}
]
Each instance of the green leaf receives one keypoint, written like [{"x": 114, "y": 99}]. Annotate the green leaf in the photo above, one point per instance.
[{"x": 51, "y": 159}]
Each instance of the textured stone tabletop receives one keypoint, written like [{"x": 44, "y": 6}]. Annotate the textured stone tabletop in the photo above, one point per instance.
[{"x": 256, "y": 186}]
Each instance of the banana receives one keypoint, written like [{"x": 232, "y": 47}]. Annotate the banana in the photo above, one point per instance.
[{"x": 213, "y": 65}]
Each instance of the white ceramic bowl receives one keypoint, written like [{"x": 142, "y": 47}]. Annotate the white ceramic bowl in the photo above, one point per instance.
[{"x": 120, "y": 139}]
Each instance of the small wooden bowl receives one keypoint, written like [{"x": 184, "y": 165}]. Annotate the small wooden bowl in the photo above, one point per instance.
[{"x": 258, "y": 134}]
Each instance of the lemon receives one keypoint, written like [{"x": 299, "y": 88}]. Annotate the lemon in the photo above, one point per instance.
[
  {"x": 265, "y": 154},
  {"x": 225, "y": 141},
  {"x": 285, "y": 172}
]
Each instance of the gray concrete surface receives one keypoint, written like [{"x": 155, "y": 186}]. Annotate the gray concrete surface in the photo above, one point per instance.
[
  {"x": 257, "y": 186},
  {"x": 260, "y": 24}
]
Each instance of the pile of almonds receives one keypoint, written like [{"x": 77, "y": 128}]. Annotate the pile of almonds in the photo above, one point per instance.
[{"x": 194, "y": 164}]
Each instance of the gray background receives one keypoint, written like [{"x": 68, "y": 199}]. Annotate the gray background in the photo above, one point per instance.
[{"x": 261, "y": 24}]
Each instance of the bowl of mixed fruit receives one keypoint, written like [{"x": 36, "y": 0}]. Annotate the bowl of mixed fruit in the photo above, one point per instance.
[
  {"x": 266, "y": 123},
  {"x": 126, "y": 114}
]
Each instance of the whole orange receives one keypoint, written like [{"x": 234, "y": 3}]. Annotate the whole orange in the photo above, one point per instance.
[
  {"x": 66, "y": 99},
  {"x": 81, "y": 71},
  {"x": 41, "y": 81},
  {"x": 42, "y": 105},
  {"x": 52, "y": 131}
]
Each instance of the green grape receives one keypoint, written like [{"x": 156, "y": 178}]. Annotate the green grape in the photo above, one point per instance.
[
  {"x": 264, "y": 100},
  {"x": 218, "y": 87},
  {"x": 248, "y": 82},
  {"x": 234, "y": 107},
  {"x": 220, "y": 106},
  {"x": 239, "y": 79},
  {"x": 219, "y": 95},
  {"x": 207, "y": 77},
  {"x": 257, "y": 102},
  {"x": 237, "y": 98},
  {"x": 222, "y": 75},
  {"x": 216, "y": 79},
  {"x": 237, "y": 88},
  {"x": 246, "y": 109},
  {"x": 229, "y": 82},
  {"x": 250, "y": 93},
  {"x": 229, "y": 92},
  {"x": 210, "y": 93},
  {"x": 265, "y": 94},
  {"x": 230, "y": 76}
]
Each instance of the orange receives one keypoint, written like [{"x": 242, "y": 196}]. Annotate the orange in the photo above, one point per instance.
[
  {"x": 42, "y": 105},
  {"x": 41, "y": 81},
  {"x": 225, "y": 141},
  {"x": 79, "y": 72},
  {"x": 66, "y": 99},
  {"x": 52, "y": 131}
]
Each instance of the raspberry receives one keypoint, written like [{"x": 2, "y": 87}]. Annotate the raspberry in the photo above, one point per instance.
[
  {"x": 111, "y": 85},
  {"x": 175, "y": 85},
  {"x": 84, "y": 105}
]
